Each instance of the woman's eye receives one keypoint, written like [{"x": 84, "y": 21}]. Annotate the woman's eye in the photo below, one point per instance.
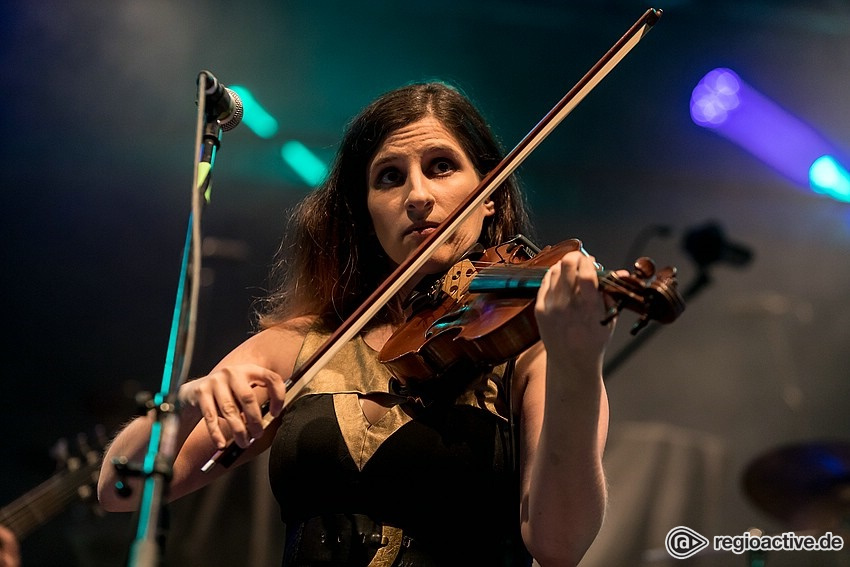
[
  {"x": 388, "y": 177},
  {"x": 442, "y": 166}
]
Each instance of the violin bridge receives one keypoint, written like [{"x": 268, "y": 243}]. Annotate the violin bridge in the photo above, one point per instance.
[{"x": 457, "y": 280}]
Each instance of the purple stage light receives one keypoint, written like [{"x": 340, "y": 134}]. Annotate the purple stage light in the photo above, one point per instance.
[{"x": 727, "y": 105}]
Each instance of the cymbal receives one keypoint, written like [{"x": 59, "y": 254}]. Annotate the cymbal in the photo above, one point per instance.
[{"x": 805, "y": 485}]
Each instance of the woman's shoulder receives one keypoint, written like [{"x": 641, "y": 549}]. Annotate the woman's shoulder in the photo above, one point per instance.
[
  {"x": 275, "y": 347},
  {"x": 295, "y": 327}
]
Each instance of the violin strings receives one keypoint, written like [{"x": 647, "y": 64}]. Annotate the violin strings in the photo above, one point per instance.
[{"x": 488, "y": 268}]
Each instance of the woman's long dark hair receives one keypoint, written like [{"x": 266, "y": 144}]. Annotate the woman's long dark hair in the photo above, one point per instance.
[{"x": 331, "y": 260}]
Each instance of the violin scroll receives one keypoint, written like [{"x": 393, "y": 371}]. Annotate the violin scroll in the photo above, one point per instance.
[{"x": 654, "y": 296}]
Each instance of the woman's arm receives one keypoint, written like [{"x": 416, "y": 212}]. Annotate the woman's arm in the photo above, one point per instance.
[
  {"x": 223, "y": 405},
  {"x": 10, "y": 554},
  {"x": 564, "y": 416}
]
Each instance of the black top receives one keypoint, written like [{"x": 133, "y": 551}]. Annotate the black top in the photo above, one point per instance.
[{"x": 444, "y": 473}]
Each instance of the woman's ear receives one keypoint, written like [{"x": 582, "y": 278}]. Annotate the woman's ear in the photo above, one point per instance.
[{"x": 489, "y": 208}]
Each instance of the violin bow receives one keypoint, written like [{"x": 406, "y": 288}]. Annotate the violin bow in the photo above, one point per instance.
[{"x": 406, "y": 270}]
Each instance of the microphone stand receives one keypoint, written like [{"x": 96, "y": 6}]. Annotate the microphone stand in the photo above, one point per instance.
[
  {"x": 700, "y": 281},
  {"x": 156, "y": 469}
]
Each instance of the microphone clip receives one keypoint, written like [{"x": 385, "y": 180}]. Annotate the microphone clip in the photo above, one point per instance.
[{"x": 222, "y": 106}]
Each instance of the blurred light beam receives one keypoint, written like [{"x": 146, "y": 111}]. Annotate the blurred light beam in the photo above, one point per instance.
[
  {"x": 304, "y": 162},
  {"x": 724, "y": 103},
  {"x": 828, "y": 177},
  {"x": 255, "y": 117}
]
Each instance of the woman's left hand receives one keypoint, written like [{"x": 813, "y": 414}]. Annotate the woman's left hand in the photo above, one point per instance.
[{"x": 570, "y": 309}]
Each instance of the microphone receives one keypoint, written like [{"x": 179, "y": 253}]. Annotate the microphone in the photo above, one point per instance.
[
  {"x": 222, "y": 104},
  {"x": 707, "y": 244}
]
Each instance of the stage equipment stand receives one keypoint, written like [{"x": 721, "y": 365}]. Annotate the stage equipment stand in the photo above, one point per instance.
[
  {"x": 706, "y": 245},
  {"x": 218, "y": 109}
]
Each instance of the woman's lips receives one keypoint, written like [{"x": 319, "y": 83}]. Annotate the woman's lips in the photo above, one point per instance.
[{"x": 421, "y": 230}]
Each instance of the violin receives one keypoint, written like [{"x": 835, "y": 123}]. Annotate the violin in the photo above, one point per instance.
[{"x": 482, "y": 311}]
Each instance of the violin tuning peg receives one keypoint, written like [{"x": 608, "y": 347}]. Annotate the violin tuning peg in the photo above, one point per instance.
[
  {"x": 639, "y": 324},
  {"x": 612, "y": 313},
  {"x": 667, "y": 274},
  {"x": 644, "y": 267}
]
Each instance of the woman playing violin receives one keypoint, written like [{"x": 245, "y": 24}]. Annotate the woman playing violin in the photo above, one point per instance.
[{"x": 369, "y": 469}]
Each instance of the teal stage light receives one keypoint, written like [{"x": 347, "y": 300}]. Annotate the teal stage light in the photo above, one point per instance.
[
  {"x": 255, "y": 117},
  {"x": 828, "y": 177},
  {"x": 305, "y": 163}
]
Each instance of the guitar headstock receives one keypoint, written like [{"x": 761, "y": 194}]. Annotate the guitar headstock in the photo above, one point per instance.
[
  {"x": 86, "y": 456},
  {"x": 74, "y": 480}
]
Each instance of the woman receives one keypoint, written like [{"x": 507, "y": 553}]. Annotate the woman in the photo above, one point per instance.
[{"x": 366, "y": 471}]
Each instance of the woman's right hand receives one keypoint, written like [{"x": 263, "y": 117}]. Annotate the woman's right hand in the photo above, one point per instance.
[
  {"x": 223, "y": 405},
  {"x": 235, "y": 393}
]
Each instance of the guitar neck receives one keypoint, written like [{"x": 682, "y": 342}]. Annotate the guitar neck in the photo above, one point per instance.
[{"x": 48, "y": 499}]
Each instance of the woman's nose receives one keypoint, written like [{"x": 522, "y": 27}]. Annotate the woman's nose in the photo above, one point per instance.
[{"x": 420, "y": 198}]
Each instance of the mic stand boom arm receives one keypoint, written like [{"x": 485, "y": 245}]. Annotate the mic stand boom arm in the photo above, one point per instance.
[{"x": 706, "y": 245}]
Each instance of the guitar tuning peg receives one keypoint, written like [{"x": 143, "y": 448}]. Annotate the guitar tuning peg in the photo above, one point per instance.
[
  {"x": 83, "y": 443},
  {"x": 59, "y": 451},
  {"x": 100, "y": 435},
  {"x": 85, "y": 493}
]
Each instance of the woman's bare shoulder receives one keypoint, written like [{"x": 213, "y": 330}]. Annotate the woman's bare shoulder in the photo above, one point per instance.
[{"x": 275, "y": 347}]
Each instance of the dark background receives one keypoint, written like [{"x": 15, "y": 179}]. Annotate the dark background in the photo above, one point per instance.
[{"x": 98, "y": 123}]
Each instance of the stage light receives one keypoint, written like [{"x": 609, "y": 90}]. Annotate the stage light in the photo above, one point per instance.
[
  {"x": 828, "y": 177},
  {"x": 255, "y": 117},
  {"x": 304, "y": 162},
  {"x": 309, "y": 167},
  {"x": 726, "y": 104}
]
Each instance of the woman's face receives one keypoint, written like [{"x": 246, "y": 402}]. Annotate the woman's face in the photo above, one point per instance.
[{"x": 418, "y": 176}]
